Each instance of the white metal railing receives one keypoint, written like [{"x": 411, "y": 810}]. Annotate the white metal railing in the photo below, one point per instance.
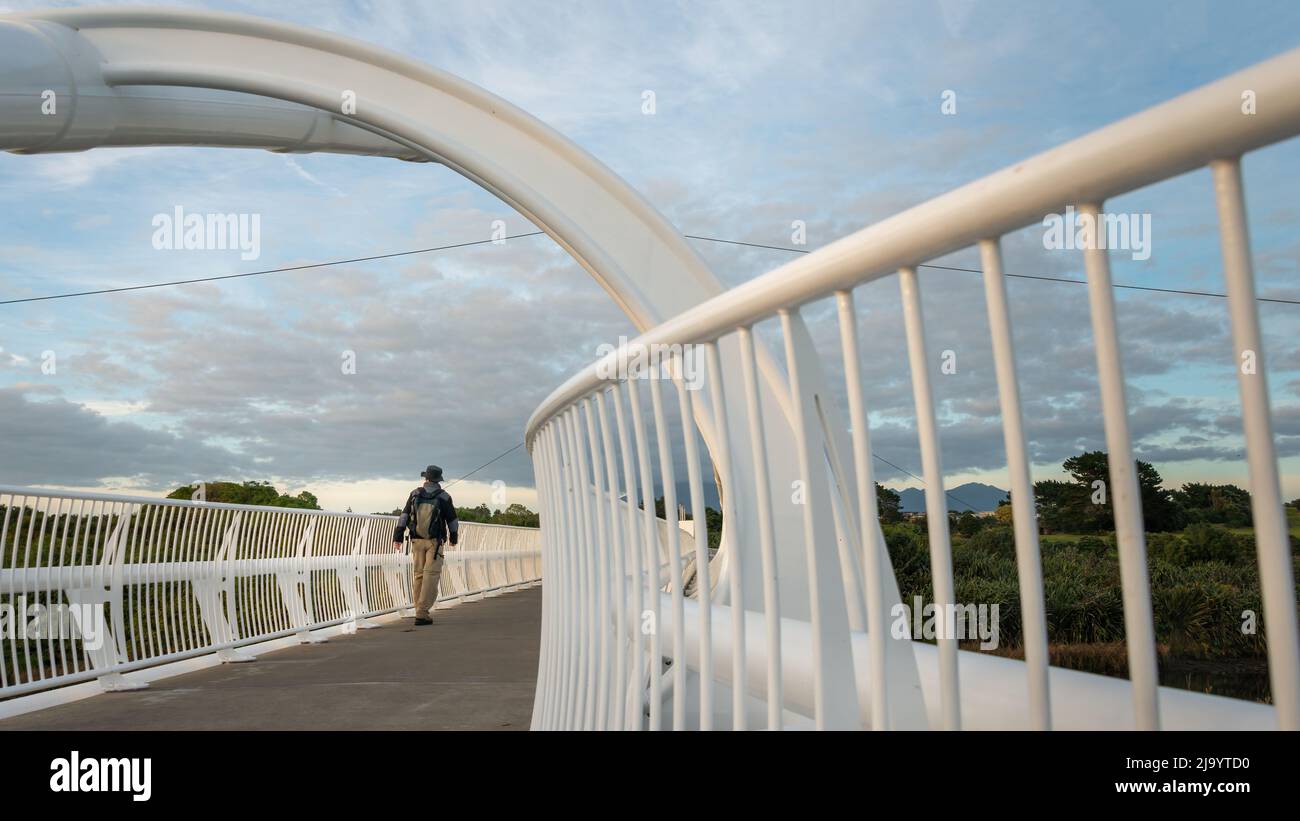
[
  {"x": 830, "y": 662},
  {"x": 94, "y": 585}
]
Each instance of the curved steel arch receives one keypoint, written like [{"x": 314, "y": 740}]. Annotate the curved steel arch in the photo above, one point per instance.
[
  {"x": 101, "y": 59},
  {"x": 622, "y": 241}
]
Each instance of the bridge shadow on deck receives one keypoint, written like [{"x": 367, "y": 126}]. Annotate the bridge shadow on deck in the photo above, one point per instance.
[{"x": 474, "y": 668}]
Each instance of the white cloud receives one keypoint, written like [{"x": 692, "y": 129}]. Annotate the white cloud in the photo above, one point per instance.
[{"x": 767, "y": 113}]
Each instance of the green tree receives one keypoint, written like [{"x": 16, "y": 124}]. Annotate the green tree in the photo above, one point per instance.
[
  {"x": 1159, "y": 510},
  {"x": 482, "y": 514},
  {"x": 968, "y": 524},
  {"x": 263, "y": 494},
  {"x": 1218, "y": 504},
  {"x": 1063, "y": 507},
  {"x": 888, "y": 504}
]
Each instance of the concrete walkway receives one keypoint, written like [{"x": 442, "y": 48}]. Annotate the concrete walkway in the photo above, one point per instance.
[{"x": 474, "y": 668}]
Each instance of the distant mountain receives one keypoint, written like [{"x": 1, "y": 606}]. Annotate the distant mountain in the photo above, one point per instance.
[{"x": 975, "y": 496}]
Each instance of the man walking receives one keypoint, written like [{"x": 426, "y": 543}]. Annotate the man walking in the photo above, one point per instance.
[{"x": 431, "y": 518}]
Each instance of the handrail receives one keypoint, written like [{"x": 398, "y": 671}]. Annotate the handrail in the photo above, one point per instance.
[
  {"x": 102, "y": 585},
  {"x": 57, "y": 493},
  {"x": 841, "y": 666},
  {"x": 1183, "y": 134}
]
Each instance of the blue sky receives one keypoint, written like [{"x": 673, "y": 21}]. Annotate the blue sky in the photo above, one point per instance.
[{"x": 765, "y": 113}]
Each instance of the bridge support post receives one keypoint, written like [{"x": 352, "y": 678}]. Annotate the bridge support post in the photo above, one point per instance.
[
  {"x": 102, "y": 640},
  {"x": 215, "y": 592},
  {"x": 352, "y": 578},
  {"x": 295, "y": 586}
]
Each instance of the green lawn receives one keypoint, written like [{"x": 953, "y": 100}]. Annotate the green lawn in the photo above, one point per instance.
[{"x": 1292, "y": 522}]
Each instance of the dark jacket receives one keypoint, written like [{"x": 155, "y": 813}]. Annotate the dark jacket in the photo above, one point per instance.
[{"x": 447, "y": 523}]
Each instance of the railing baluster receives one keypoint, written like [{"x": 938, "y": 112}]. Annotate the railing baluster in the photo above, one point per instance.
[
  {"x": 936, "y": 504},
  {"x": 669, "y": 481},
  {"x": 1029, "y": 564},
  {"x": 651, "y": 555},
  {"x": 1125, "y": 496},
  {"x": 582, "y": 625},
  {"x": 874, "y": 552},
  {"x": 552, "y": 533},
  {"x": 722, "y": 435},
  {"x": 618, "y": 702},
  {"x": 601, "y": 572},
  {"x": 700, "y": 536},
  {"x": 29, "y": 566},
  {"x": 1272, "y": 539},
  {"x": 9, "y": 594},
  {"x": 542, "y": 692},
  {"x": 560, "y": 560},
  {"x": 637, "y": 672},
  {"x": 766, "y": 541},
  {"x": 806, "y": 467},
  {"x": 589, "y": 598},
  {"x": 568, "y": 610}
]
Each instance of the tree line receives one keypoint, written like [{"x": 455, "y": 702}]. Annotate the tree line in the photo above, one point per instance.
[{"x": 1083, "y": 503}]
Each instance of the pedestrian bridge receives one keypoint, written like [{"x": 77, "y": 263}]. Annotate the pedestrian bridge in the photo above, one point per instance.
[
  {"x": 642, "y": 625},
  {"x": 473, "y": 669}
]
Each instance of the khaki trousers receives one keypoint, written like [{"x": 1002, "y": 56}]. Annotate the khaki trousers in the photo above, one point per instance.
[{"x": 426, "y": 572}]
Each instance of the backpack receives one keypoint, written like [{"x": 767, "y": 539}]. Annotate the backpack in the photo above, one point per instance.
[{"x": 426, "y": 515}]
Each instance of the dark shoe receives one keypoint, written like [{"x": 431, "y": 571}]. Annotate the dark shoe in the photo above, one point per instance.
[{"x": 421, "y": 622}]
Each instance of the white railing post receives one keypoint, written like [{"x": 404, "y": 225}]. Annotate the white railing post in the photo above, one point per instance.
[
  {"x": 1272, "y": 538},
  {"x": 1124, "y": 493},
  {"x": 1024, "y": 514},
  {"x": 936, "y": 501}
]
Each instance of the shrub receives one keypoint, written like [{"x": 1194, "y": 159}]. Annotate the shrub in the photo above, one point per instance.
[
  {"x": 1211, "y": 543},
  {"x": 1095, "y": 544},
  {"x": 968, "y": 524},
  {"x": 997, "y": 540},
  {"x": 909, "y": 556},
  {"x": 1167, "y": 547},
  {"x": 1182, "y": 614}
]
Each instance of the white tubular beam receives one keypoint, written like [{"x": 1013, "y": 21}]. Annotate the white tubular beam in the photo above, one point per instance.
[
  {"x": 548, "y": 489},
  {"x": 1029, "y": 565},
  {"x": 700, "y": 537},
  {"x": 617, "y": 582},
  {"x": 936, "y": 502},
  {"x": 651, "y": 557},
  {"x": 668, "y": 479},
  {"x": 546, "y": 647},
  {"x": 1124, "y": 493},
  {"x": 806, "y": 439},
  {"x": 586, "y": 629},
  {"x": 602, "y": 620},
  {"x": 722, "y": 458},
  {"x": 1272, "y": 540},
  {"x": 875, "y": 555},
  {"x": 767, "y": 549},
  {"x": 556, "y": 579},
  {"x": 568, "y": 592},
  {"x": 636, "y": 673}
]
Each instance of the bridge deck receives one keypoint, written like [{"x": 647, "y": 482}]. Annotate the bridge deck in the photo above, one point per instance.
[{"x": 474, "y": 668}]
